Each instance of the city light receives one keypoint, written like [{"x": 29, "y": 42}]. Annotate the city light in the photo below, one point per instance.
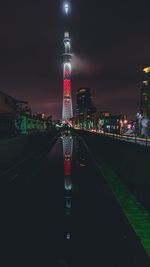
[
  {"x": 68, "y": 236},
  {"x": 43, "y": 115},
  {"x": 66, "y": 7},
  {"x": 146, "y": 70}
]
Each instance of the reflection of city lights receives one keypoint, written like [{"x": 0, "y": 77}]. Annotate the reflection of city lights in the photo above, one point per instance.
[
  {"x": 67, "y": 141},
  {"x": 68, "y": 236},
  {"x": 68, "y": 184},
  {"x": 68, "y": 206},
  {"x": 67, "y": 167},
  {"x": 68, "y": 203},
  {"x": 66, "y": 7}
]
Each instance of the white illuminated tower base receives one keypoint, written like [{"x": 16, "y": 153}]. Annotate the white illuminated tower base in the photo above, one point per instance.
[{"x": 67, "y": 112}]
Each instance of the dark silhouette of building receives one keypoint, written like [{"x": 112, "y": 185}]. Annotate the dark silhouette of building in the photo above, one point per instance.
[
  {"x": 145, "y": 92},
  {"x": 9, "y": 104},
  {"x": 85, "y": 108}
]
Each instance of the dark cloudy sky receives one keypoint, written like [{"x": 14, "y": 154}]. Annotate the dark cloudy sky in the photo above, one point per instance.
[{"x": 110, "y": 40}]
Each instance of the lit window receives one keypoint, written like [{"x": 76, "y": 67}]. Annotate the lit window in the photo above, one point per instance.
[
  {"x": 82, "y": 90},
  {"x": 145, "y": 82},
  {"x": 146, "y": 70},
  {"x": 145, "y": 96}
]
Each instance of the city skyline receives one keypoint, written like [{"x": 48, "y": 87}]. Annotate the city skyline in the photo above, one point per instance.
[{"x": 111, "y": 45}]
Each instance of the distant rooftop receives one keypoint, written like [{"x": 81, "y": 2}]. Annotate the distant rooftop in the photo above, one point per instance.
[{"x": 14, "y": 99}]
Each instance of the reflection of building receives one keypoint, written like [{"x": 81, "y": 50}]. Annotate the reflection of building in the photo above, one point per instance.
[
  {"x": 145, "y": 91},
  {"x": 85, "y": 108}
]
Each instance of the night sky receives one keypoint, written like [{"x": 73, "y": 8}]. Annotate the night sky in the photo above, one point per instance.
[{"x": 110, "y": 42}]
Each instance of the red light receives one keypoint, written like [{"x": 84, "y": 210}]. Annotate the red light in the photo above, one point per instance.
[
  {"x": 67, "y": 167},
  {"x": 67, "y": 87}
]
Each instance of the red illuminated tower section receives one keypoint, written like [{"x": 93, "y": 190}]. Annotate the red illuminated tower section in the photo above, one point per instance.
[{"x": 67, "y": 112}]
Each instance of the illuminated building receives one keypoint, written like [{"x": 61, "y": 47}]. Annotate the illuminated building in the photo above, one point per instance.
[
  {"x": 145, "y": 92},
  {"x": 100, "y": 119},
  {"x": 115, "y": 124},
  {"x": 85, "y": 108}
]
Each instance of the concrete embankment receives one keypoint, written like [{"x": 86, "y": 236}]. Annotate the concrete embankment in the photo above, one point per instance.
[
  {"x": 130, "y": 161},
  {"x": 14, "y": 149}
]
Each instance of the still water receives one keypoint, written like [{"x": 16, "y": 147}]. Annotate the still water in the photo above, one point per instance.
[
  {"x": 59, "y": 211},
  {"x": 94, "y": 230}
]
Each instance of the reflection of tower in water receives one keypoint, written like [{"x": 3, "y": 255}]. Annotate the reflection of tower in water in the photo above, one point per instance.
[{"x": 67, "y": 155}]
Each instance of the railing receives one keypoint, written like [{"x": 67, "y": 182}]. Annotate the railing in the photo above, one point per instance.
[
  {"x": 133, "y": 139},
  {"x": 128, "y": 138}
]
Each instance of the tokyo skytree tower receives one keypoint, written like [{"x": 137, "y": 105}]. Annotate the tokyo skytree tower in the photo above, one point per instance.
[{"x": 67, "y": 112}]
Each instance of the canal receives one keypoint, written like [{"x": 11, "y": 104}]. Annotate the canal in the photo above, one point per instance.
[{"x": 59, "y": 211}]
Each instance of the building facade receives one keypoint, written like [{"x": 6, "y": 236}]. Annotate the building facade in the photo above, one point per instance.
[
  {"x": 85, "y": 109},
  {"x": 145, "y": 92}
]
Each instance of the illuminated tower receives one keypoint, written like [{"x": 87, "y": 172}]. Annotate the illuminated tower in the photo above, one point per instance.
[{"x": 67, "y": 112}]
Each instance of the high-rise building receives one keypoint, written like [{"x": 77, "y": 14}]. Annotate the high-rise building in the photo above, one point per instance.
[
  {"x": 85, "y": 108},
  {"x": 145, "y": 92}
]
